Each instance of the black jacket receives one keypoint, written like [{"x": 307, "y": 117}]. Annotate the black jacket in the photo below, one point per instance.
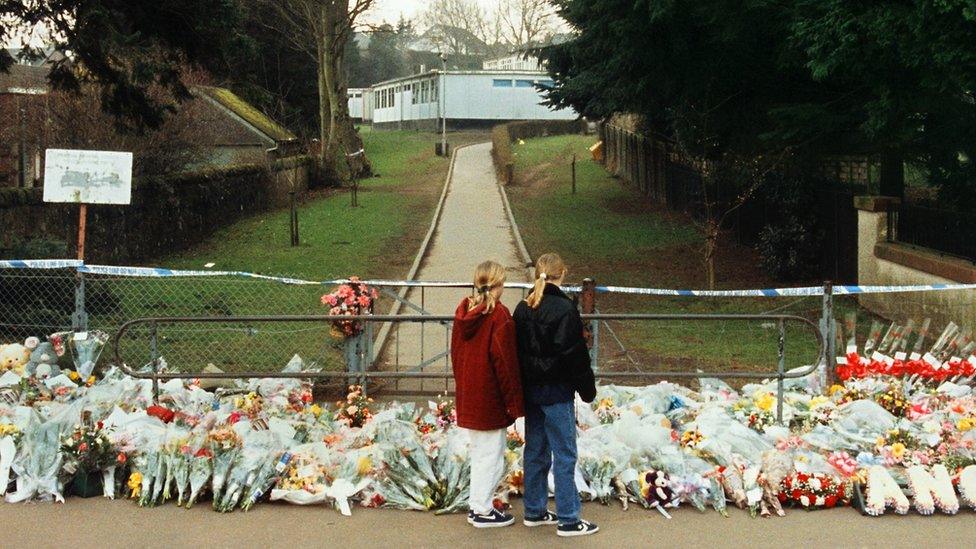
[{"x": 551, "y": 346}]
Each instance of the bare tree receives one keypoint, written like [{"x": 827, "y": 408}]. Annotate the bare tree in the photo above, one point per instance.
[
  {"x": 322, "y": 29},
  {"x": 458, "y": 27},
  {"x": 526, "y": 23}
]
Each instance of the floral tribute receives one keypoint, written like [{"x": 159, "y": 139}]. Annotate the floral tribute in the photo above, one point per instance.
[
  {"x": 89, "y": 448},
  {"x": 812, "y": 491},
  {"x": 355, "y": 411},
  {"x": 658, "y": 446},
  {"x": 349, "y": 300}
]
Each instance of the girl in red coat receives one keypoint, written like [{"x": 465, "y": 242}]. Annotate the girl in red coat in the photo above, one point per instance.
[{"x": 488, "y": 385}]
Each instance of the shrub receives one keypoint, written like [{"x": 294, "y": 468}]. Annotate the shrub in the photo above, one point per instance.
[{"x": 789, "y": 244}]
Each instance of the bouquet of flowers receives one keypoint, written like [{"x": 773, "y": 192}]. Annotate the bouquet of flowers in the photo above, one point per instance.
[
  {"x": 606, "y": 411},
  {"x": 88, "y": 449},
  {"x": 900, "y": 447},
  {"x": 354, "y": 412},
  {"x": 225, "y": 446},
  {"x": 10, "y": 435},
  {"x": 757, "y": 413},
  {"x": 201, "y": 471},
  {"x": 349, "y": 300},
  {"x": 812, "y": 490},
  {"x": 303, "y": 480}
]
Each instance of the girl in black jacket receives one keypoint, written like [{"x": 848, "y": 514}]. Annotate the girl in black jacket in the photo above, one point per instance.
[{"x": 555, "y": 365}]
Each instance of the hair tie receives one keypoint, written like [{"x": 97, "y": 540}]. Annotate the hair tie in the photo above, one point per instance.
[
  {"x": 542, "y": 276},
  {"x": 484, "y": 289}
]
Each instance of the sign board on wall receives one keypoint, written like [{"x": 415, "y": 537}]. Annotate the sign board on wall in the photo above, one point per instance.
[{"x": 87, "y": 177}]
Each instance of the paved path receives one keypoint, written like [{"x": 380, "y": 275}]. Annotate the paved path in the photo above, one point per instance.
[
  {"x": 102, "y": 523},
  {"x": 473, "y": 227}
]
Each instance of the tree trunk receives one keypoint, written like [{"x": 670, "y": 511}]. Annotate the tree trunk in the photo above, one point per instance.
[
  {"x": 892, "y": 175},
  {"x": 322, "y": 157},
  {"x": 711, "y": 246},
  {"x": 343, "y": 137}
]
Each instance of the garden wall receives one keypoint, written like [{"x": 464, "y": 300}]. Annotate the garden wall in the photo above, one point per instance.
[
  {"x": 166, "y": 214},
  {"x": 881, "y": 262}
]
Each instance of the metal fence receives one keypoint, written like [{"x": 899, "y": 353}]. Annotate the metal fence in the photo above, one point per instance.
[
  {"x": 409, "y": 377},
  {"x": 947, "y": 231}
]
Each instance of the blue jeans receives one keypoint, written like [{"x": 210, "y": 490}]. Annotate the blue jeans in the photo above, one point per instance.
[{"x": 550, "y": 441}]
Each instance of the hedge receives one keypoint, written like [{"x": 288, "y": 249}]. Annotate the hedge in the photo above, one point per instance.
[{"x": 503, "y": 135}]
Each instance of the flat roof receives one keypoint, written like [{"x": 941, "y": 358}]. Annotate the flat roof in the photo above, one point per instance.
[{"x": 508, "y": 72}]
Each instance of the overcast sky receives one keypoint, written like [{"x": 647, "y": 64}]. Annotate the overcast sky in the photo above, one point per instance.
[{"x": 390, "y": 10}]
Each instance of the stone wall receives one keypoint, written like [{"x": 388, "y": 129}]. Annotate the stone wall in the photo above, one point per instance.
[
  {"x": 166, "y": 214},
  {"x": 880, "y": 262}
]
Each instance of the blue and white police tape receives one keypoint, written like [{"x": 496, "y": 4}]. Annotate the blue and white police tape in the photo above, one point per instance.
[
  {"x": 40, "y": 264},
  {"x": 153, "y": 272}
]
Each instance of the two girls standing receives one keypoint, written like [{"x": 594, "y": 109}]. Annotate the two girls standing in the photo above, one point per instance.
[{"x": 531, "y": 365}]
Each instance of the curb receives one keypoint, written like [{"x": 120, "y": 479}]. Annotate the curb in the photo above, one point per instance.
[
  {"x": 384, "y": 332},
  {"x": 516, "y": 234}
]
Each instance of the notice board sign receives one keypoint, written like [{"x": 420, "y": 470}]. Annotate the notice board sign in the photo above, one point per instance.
[{"x": 87, "y": 177}]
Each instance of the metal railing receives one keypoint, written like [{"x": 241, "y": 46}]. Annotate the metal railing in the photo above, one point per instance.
[{"x": 367, "y": 367}]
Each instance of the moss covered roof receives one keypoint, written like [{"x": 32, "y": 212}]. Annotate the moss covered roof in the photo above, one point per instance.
[{"x": 250, "y": 114}]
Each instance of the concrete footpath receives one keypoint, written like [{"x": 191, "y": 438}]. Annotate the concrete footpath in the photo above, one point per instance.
[
  {"x": 99, "y": 522},
  {"x": 473, "y": 227}
]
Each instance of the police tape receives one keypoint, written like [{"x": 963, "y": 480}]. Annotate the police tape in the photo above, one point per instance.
[{"x": 154, "y": 272}]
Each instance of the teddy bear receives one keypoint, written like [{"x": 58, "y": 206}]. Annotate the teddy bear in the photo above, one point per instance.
[
  {"x": 43, "y": 361},
  {"x": 656, "y": 488},
  {"x": 14, "y": 357}
]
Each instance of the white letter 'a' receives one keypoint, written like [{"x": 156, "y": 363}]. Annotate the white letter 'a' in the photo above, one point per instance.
[
  {"x": 932, "y": 490},
  {"x": 882, "y": 490}
]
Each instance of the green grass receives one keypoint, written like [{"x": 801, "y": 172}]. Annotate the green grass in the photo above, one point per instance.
[
  {"x": 609, "y": 232},
  {"x": 378, "y": 239}
]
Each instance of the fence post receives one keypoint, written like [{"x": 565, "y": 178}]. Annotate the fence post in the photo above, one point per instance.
[
  {"x": 294, "y": 220},
  {"x": 574, "y": 173},
  {"x": 780, "y": 367},
  {"x": 154, "y": 351},
  {"x": 588, "y": 307},
  {"x": 827, "y": 328},
  {"x": 79, "y": 319}
]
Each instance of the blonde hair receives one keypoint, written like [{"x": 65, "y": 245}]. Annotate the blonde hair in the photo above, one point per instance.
[
  {"x": 548, "y": 267},
  {"x": 487, "y": 276}
]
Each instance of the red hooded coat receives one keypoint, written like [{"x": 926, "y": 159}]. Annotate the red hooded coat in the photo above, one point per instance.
[{"x": 486, "y": 370}]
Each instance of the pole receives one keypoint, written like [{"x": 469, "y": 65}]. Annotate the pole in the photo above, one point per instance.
[
  {"x": 443, "y": 95},
  {"x": 574, "y": 173},
  {"x": 588, "y": 307},
  {"x": 294, "y": 219},
  {"x": 82, "y": 220},
  {"x": 827, "y": 327}
]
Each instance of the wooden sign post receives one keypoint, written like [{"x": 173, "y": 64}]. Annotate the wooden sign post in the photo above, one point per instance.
[
  {"x": 82, "y": 220},
  {"x": 87, "y": 177}
]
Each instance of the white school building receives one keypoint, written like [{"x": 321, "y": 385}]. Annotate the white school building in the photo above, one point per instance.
[{"x": 472, "y": 98}]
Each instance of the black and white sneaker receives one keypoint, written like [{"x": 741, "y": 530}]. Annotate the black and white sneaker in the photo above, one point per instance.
[
  {"x": 578, "y": 528},
  {"x": 493, "y": 519},
  {"x": 546, "y": 519},
  {"x": 470, "y": 517}
]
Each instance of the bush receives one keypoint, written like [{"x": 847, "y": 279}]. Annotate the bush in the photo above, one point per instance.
[{"x": 789, "y": 244}]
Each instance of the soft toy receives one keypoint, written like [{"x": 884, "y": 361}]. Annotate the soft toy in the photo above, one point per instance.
[
  {"x": 656, "y": 490},
  {"x": 43, "y": 362},
  {"x": 14, "y": 357}
]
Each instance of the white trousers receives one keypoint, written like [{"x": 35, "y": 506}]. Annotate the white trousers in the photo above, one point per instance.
[{"x": 487, "y": 452}]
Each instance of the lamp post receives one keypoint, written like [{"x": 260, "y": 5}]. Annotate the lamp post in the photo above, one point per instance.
[{"x": 443, "y": 101}]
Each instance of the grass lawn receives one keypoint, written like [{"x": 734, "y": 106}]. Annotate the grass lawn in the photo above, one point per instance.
[
  {"x": 378, "y": 239},
  {"x": 609, "y": 232}
]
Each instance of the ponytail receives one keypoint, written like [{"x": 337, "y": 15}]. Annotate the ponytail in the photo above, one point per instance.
[
  {"x": 548, "y": 267},
  {"x": 487, "y": 276}
]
